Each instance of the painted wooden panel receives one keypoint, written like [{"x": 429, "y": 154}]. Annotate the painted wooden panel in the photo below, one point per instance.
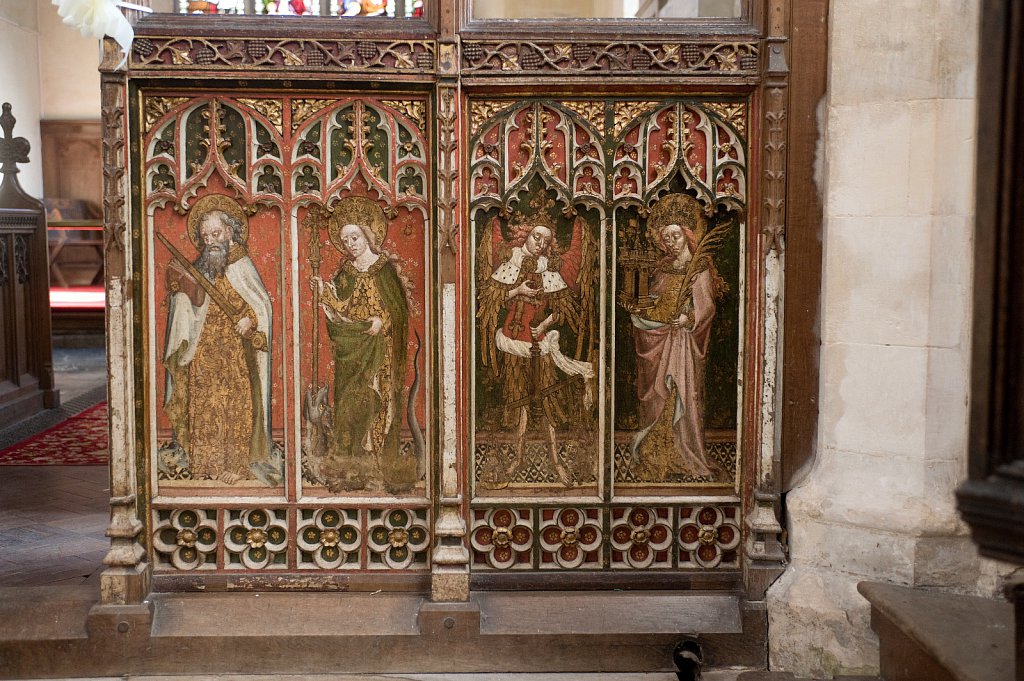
[
  {"x": 288, "y": 330},
  {"x": 608, "y": 295}
]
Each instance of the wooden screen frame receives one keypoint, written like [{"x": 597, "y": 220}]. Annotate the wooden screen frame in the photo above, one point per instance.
[{"x": 791, "y": 76}]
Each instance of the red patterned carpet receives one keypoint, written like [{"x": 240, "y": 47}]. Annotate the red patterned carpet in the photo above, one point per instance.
[{"x": 79, "y": 441}]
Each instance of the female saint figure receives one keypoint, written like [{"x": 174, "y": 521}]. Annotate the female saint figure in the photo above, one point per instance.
[
  {"x": 672, "y": 338},
  {"x": 367, "y": 315}
]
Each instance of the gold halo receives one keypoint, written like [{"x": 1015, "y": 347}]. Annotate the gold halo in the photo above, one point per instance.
[
  {"x": 212, "y": 202},
  {"x": 362, "y": 211},
  {"x": 676, "y": 209}
]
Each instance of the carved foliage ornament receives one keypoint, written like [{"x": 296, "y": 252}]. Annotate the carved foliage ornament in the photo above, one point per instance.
[
  {"x": 448, "y": 172},
  {"x": 775, "y": 169},
  {"x": 483, "y": 111},
  {"x": 733, "y": 113},
  {"x": 627, "y": 112},
  {"x": 734, "y": 58},
  {"x": 302, "y": 109},
  {"x": 157, "y": 107},
  {"x": 413, "y": 109},
  {"x": 112, "y": 107},
  {"x": 589, "y": 110},
  {"x": 21, "y": 257},
  {"x": 185, "y": 538},
  {"x": 271, "y": 109},
  {"x": 284, "y": 53}
]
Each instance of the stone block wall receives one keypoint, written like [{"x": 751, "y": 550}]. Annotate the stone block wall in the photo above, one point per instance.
[{"x": 897, "y": 180}]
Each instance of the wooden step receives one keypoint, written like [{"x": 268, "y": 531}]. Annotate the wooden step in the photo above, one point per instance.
[{"x": 935, "y": 636}]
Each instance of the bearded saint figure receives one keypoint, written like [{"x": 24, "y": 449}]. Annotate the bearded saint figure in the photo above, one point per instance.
[{"x": 217, "y": 350}]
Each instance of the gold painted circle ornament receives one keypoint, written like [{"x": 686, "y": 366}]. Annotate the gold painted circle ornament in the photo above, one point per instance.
[
  {"x": 187, "y": 538},
  {"x": 361, "y": 211},
  {"x": 330, "y": 537},
  {"x": 502, "y": 536},
  {"x": 676, "y": 209},
  {"x": 398, "y": 537},
  {"x": 212, "y": 202}
]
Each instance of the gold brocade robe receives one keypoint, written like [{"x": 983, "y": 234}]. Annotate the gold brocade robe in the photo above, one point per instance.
[{"x": 215, "y": 416}]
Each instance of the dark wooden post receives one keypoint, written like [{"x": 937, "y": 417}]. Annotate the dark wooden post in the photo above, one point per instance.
[
  {"x": 26, "y": 360},
  {"x": 992, "y": 501}
]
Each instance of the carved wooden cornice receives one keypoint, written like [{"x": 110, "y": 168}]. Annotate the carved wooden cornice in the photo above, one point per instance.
[
  {"x": 713, "y": 57},
  {"x": 170, "y": 53}
]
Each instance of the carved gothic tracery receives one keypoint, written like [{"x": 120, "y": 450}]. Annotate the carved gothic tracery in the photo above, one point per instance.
[
  {"x": 166, "y": 52},
  {"x": 4, "y": 276},
  {"x": 21, "y": 258},
  {"x": 496, "y": 56}
]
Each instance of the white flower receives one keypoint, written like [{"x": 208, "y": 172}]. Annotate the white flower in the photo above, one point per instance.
[{"x": 97, "y": 18}]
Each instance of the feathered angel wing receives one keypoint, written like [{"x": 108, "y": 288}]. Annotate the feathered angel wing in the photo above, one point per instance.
[
  {"x": 583, "y": 250},
  {"x": 488, "y": 297}
]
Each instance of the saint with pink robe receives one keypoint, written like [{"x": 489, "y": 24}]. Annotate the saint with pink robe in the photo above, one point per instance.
[{"x": 672, "y": 339}]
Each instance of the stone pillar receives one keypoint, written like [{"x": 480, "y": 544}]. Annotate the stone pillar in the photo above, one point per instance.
[{"x": 897, "y": 178}]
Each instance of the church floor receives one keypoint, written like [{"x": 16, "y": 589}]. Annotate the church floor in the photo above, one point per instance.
[{"x": 52, "y": 518}]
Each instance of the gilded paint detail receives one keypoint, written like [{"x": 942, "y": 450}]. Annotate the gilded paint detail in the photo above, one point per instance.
[
  {"x": 413, "y": 109},
  {"x": 628, "y": 112},
  {"x": 157, "y": 107},
  {"x": 590, "y": 111},
  {"x": 271, "y": 109},
  {"x": 218, "y": 442},
  {"x": 733, "y": 113},
  {"x": 481, "y": 111},
  {"x": 302, "y": 109}
]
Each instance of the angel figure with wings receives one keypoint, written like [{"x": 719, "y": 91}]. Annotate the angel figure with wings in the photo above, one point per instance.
[{"x": 530, "y": 291}]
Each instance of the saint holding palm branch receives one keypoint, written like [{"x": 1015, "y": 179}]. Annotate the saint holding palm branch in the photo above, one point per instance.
[{"x": 672, "y": 337}]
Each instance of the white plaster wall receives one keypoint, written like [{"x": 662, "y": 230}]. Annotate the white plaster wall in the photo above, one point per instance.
[
  {"x": 898, "y": 179},
  {"x": 19, "y": 81},
  {"x": 68, "y": 68}
]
